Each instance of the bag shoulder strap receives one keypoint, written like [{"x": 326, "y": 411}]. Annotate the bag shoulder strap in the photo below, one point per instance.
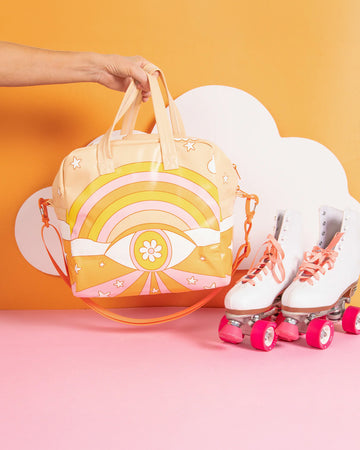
[{"x": 242, "y": 253}]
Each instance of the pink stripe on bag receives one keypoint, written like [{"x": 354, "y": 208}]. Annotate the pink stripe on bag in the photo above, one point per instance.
[
  {"x": 139, "y": 177},
  {"x": 145, "y": 206},
  {"x": 195, "y": 281},
  {"x": 162, "y": 287},
  {"x": 146, "y": 288}
]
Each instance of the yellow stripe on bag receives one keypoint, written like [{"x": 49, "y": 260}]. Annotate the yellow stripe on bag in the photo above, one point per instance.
[
  {"x": 149, "y": 186},
  {"x": 128, "y": 169},
  {"x": 167, "y": 197}
]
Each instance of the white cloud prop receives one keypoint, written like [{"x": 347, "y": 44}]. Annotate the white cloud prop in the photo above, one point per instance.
[{"x": 285, "y": 173}]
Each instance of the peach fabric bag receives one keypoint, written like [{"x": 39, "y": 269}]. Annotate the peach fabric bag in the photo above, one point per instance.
[{"x": 147, "y": 213}]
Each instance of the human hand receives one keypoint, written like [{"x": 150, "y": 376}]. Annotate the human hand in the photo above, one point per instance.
[
  {"x": 29, "y": 66},
  {"x": 117, "y": 71}
]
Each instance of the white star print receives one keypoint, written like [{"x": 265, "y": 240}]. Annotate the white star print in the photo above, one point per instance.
[
  {"x": 154, "y": 291},
  {"x": 76, "y": 163},
  {"x": 190, "y": 146},
  {"x": 104, "y": 294},
  {"x": 119, "y": 283},
  {"x": 192, "y": 280},
  {"x": 101, "y": 264},
  {"x": 77, "y": 268},
  {"x": 225, "y": 179}
]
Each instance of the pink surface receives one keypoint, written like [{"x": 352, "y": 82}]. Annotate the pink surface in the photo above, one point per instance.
[{"x": 73, "y": 380}]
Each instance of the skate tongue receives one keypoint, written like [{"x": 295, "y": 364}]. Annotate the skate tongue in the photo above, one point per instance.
[{"x": 334, "y": 241}]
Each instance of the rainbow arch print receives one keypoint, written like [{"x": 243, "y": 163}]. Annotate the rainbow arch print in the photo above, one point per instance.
[
  {"x": 135, "y": 188},
  {"x": 149, "y": 230}
]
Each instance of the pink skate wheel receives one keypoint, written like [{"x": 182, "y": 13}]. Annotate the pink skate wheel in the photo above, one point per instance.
[
  {"x": 231, "y": 333},
  {"x": 351, "y": 320},
  {"x": 320, "y": 333},
  {"x": 263, "y": 336},
  {"x": 223, "y": 322},
  {"x": 287, "y": 331}
]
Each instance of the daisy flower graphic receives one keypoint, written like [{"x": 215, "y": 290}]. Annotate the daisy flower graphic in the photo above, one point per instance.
[{"x": 150, "y": 250}]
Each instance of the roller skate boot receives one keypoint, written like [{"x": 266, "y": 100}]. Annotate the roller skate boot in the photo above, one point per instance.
[
  {"x": 254, "y": 302},
  {"x": 325, "y": 283}
]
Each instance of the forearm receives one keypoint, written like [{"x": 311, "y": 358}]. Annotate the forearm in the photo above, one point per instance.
[{"x": 28, "y": 66}]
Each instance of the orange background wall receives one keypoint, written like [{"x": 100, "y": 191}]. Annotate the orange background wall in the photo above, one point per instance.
[{"x": 299, "y": 58}]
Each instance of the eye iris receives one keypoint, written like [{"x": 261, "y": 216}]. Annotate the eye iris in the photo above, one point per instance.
[{"x": 150, "y": 250}]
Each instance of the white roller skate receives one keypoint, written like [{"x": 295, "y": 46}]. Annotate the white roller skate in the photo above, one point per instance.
[
  {"x": 325, "y": 282},
  {"x": 254, "y": 301}
]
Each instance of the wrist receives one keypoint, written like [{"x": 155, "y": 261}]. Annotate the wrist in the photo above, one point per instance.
[{"x": 93, "y": 66}]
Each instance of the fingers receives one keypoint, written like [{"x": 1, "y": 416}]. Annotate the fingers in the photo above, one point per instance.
[
  {"x": 143, "y": 63},
  {"x": 116, "y": 72},
  {"x": 140, "y": 77},
  {"x": 146, "y": 96}
]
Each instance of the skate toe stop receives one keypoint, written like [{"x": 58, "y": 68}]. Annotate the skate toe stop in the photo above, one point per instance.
[
  {"x": 287, "y": 331},
  {"x": 231, "y": 333}
]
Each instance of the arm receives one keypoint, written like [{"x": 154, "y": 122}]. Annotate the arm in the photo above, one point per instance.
[{"x": 29, "y": 66}]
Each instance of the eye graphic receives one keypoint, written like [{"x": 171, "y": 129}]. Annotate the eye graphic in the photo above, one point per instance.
[{"x": 151, "y": 250}]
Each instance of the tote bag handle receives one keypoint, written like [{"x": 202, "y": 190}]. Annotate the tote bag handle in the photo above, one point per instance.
[
  {"x": 132, "y": 101},
  {"x": 130, "y": 116}
]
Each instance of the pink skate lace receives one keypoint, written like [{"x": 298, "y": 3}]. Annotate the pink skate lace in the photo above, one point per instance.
[
  {"x": 271, "y": 259},
  {"x": 315, "y": 262}
]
